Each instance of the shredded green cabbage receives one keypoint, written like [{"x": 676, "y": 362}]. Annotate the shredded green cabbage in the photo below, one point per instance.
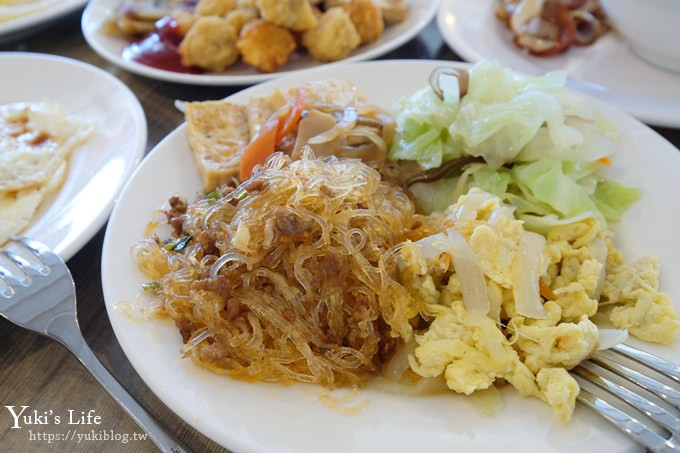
[{"x": 541, "y": 143}]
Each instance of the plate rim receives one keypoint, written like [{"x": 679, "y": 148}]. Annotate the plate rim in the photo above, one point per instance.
[{"x": 90, "y": 33}]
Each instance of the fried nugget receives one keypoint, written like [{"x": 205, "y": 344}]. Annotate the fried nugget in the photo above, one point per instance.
[
  {"x": 241, "y": 16},
  {"x": 185, "y": 20},
  {"x": 296, "y": 15},
  {"x": 328, "y": 4},
  {"x": 264, "y": 45},
  {"x": 367, "y": 18},
  {"x": 215, "y": 7},
  {"x": 334, "y": 38},
  {"x": 210, "y": 44}
]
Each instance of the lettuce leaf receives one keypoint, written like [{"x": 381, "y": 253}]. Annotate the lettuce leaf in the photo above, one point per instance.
[
  {"x": 542, "y": 146},
  {"x": 422, "y": 121},
  {"x": 502, "y": 118},
  {"x": 544, "y": 193}
]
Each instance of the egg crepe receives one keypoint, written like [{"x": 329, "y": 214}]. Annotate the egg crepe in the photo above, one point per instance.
[
  {"x": 36, "y": 140},
  {"x": 12, "y": 9}
]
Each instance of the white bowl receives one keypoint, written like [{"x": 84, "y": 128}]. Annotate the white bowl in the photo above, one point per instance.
[{"x": 651, "y": 26}]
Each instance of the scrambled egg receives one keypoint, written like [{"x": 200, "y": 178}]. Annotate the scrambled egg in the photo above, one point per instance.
[
  {"x": 577, "y": 267},
  {"x": 633, "y": 290}
]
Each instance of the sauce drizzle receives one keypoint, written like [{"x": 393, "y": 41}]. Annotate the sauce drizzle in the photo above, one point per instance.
[{"x": 160, "y": 48}]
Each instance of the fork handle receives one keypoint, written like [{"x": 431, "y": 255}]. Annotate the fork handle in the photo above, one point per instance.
[{"x": 73, "y": 340}]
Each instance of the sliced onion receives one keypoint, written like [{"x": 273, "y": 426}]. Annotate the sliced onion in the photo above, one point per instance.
[
  {"x": 611, "y": 337},
  {"x": 371, "y": 136},
  {"x": 598, "y": 251},
  {"x": 398, "y": 364},
  {"x": 433, "y": 246},
  {"x": 525, "y": 274},
  {"x": 468, "y": 210},
  {"x": 470, "y": 275}
]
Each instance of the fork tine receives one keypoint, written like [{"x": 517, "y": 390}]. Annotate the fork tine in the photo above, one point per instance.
[
  {"x": 26, "y": 271},
  {"x": 37, "y": 248},
  {"x": 26, "y": 265},
  {"x": 668, "y": 369},
  {"x": 6, "y": 291},
  {"x": 10, "y": 269},
  {"x": 39, "y": 253},
  {"x": 661, "y": 390},
  {"x": 635, "y": 429},
  {"x": 655, "y": 412}
]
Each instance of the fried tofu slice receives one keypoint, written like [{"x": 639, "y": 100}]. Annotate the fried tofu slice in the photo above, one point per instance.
[
  {"x": 218, "y": 133},
  {"x": 342, "y": 93}
]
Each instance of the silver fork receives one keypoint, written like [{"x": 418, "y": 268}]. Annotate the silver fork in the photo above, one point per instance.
[
  {"x": 621, "y": 389},
  {"x": 37, "y": 293}
]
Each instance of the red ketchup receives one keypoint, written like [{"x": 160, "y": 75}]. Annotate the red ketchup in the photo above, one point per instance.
[{"x": 160, "y": 48}]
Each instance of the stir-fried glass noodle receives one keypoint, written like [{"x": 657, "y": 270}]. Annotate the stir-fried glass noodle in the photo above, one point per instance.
[{"x": 287, "y": 278}]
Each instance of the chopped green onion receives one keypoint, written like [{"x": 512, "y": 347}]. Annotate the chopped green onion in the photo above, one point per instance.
[
  {"x": 178, "y": 244},
  {"x": 150, "y": 286},
  {"x": 212, "y": 196}
]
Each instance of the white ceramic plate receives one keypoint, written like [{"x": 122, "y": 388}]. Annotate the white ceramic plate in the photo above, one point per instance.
[
  {"x": 111, "y": 47},
  {"x": 22, "y": 25},
  {"x": 608, "y": 69},
  {"x": 268, "y": 417},
  {"x": 99, "y": 167}
]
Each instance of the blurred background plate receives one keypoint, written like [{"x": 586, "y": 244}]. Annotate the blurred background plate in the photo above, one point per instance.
[
  {"x": 24, "y": 25},
  {"x": 98, "y": 168},
  {"x": 98, "y": 12},
  {"x": 608, "y": 69}
]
